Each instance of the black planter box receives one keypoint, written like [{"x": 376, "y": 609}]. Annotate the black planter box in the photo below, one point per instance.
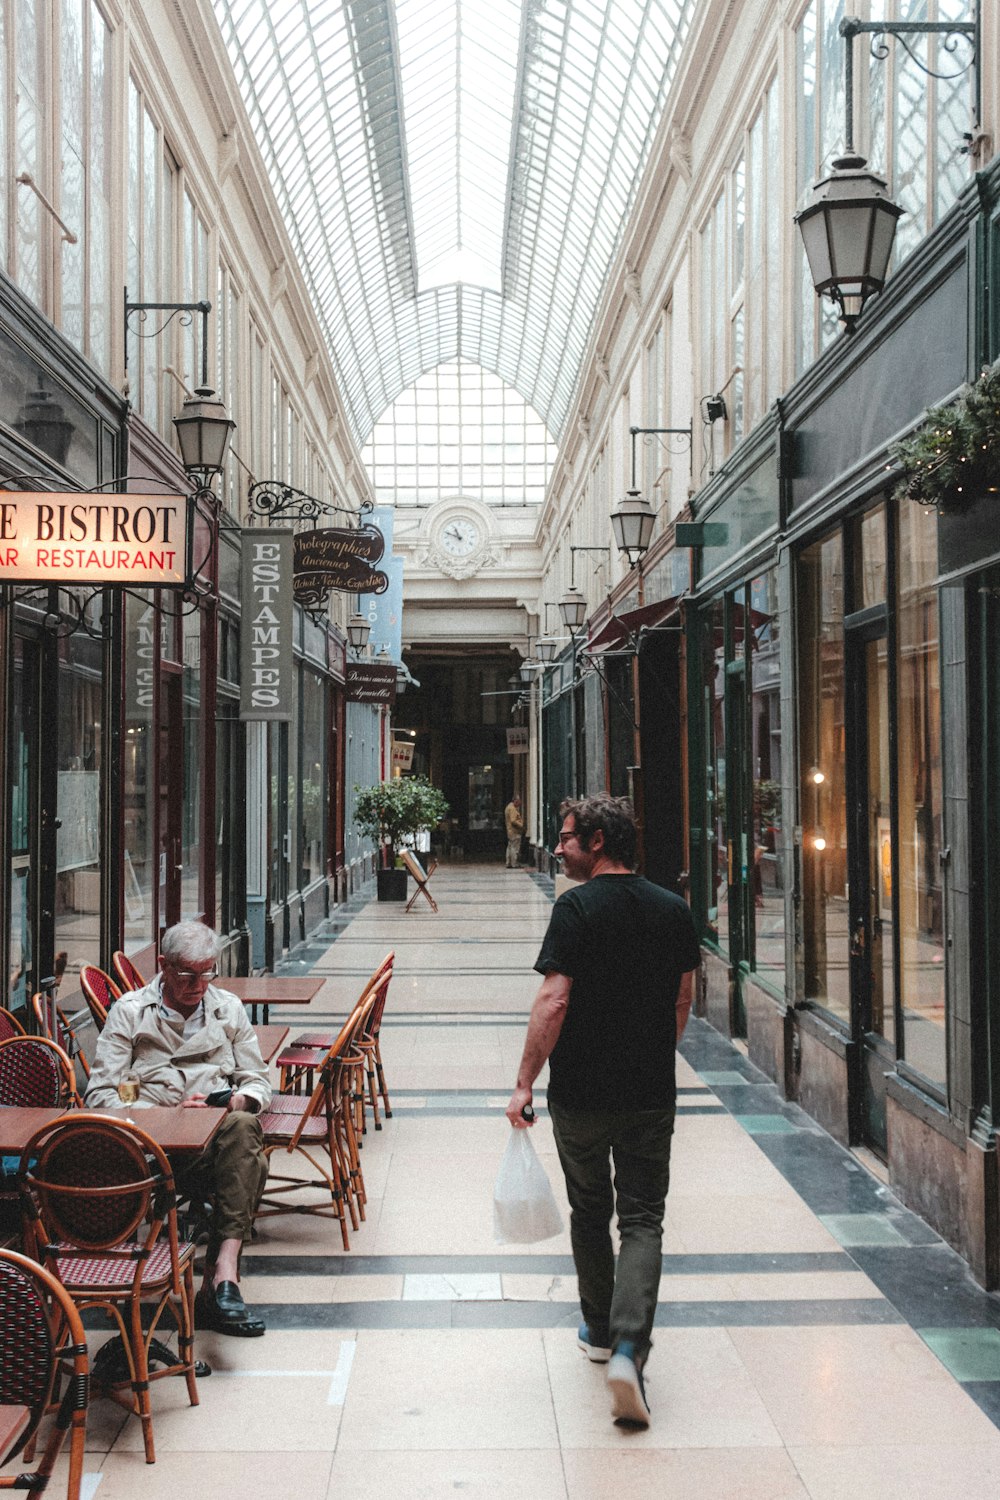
[{"x": 391, "y": 885}]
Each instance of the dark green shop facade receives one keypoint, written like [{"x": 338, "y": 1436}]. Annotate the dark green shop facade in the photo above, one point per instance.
[{"x": 843, "y": 693}]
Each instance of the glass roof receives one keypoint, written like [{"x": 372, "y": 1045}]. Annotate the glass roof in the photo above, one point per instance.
[{"x": 455, "y": 174}]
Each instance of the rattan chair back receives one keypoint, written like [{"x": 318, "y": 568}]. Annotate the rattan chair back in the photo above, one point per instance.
[
  {"x": 127, "y": 975},
  {"x": 9, "y": 1024},
  {"x": 35, "y": 1072},
  {"x": 41, "y": 1330},
  {"x": 99, "y": 991}
]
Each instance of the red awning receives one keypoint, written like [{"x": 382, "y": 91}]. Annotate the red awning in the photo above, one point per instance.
[{"x": 615, "y": 633}]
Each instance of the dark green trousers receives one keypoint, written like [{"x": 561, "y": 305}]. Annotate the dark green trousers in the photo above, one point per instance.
[
  {"x": 619, "y": 1303},
  {"x": 231, "y": 1171}
]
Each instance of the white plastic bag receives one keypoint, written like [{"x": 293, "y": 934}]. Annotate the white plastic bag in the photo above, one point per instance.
[{"x": 524, "y": 1206}]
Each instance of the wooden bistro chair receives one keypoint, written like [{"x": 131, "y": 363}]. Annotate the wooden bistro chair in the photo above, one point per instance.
[
  {"x": 35, "y": 1072},
  {"x": 41, "y": 1337},
  {"x": 297, "y": 1063},
  {"x": 66, "y": 1037},
  {"x": 320, "y": 1128},
  {"x": 99, "y": 991},
  {"x": 421, "y": 876},
  {"x": 127, "y": 976},
  {"x": 99, "y": 1204}
]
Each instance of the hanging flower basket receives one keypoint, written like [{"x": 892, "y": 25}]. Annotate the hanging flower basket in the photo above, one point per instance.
[{"x": 954, "y": 457}]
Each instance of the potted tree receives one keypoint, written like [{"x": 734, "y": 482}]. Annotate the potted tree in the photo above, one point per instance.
[{"x": 390, "y": 813}]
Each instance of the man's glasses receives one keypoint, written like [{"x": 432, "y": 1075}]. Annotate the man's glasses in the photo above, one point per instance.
[{"x": 207, "y": 974}]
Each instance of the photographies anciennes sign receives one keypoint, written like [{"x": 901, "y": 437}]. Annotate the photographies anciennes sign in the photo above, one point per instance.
[{"x": 338, "y": 558}]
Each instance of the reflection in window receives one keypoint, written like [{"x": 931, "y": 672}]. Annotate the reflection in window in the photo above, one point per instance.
[
  {"x": 312, "y": 780},
  {"x": 919, "y": 841},
  {"x": 714, "y": 678},
  {"x": 138, "y": 789},
  {"x": 823, "y": 805},
  {"x": 78, "y": 839},
  {"x": 765, "y": 752}
]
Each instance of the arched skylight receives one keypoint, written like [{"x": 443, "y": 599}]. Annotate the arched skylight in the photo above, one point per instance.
[
  {"x": 455, "y": 174},
  {"x": 459, "y": 430}
]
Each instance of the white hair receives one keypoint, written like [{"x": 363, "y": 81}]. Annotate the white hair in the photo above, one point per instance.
[{"x": 189, "y": 942}]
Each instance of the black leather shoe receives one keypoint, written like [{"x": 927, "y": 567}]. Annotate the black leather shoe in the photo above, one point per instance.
[{"x": 223, "y": 1310}]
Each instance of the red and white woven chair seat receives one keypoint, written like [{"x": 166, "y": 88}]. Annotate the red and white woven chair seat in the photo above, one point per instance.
[{"x": 82, "y": 1273}]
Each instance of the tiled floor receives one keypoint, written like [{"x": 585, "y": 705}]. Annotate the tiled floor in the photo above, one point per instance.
[{"x": 814, "y": 1338}]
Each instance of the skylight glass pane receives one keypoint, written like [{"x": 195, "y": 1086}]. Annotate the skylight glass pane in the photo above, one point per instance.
[
  {"x": 475, "y": 437},
  {"x": 438, "y": 156}
]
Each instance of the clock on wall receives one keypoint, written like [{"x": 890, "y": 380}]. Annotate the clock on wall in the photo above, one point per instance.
[{"x": 459, "y": 536}]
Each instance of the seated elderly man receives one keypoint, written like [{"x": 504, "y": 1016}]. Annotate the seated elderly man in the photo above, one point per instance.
[{"x": 189, "y": 1042}]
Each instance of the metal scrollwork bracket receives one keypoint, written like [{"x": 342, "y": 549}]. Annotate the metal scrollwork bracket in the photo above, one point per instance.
[{"x": 277, "y": 501}]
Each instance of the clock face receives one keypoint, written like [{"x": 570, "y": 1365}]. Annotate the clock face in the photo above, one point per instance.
[{"x": 459, "y": 536}]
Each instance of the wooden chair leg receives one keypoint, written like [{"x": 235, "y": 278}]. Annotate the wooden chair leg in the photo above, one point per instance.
[{"x": 381, "y": 1080}]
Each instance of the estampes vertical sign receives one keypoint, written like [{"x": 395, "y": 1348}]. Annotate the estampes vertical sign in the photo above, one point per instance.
[{"x": 266, "y": 635}]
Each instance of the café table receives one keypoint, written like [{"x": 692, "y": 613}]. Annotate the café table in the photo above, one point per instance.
[
  {"x": 270, "y": 1039},
  {"x": 271, "y": 989},
  {"x": 172, "y": 1127},
  {"x": 13, "y": 1422}
]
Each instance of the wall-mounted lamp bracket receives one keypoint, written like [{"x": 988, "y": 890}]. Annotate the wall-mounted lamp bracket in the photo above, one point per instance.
[
  {"x": 183, "y": 310},
  {"x": 953, "y": 32},
  {"x": 665, "y": 432},
  {"x": 572, "y": 560}
]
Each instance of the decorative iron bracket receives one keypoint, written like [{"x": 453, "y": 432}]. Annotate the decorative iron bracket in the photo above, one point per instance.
[
  {"x": 184, "y": 310},
  {"x": 952, "y": 32},
  {"x": 675, "y": 432},
  {"x": 277, "y": 501}
]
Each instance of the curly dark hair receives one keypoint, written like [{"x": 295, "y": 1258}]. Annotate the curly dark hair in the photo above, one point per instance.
[{"x": 614, "y": 816}]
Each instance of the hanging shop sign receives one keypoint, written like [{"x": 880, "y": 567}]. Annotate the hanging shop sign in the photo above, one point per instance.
[
  {"x": 517, "y": 741},
  {"x": 337, "y": 558},
  {"x": 371, "y": 682},
  {"x": 79, "y": 537},
  {"x": 402, "y": 755},
  {"x": 266, "y": 667}
]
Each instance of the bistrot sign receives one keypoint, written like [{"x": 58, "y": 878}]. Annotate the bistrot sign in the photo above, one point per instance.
[
  {"x": 74, "y": 536},
  {"x": 266, "y": 668}
]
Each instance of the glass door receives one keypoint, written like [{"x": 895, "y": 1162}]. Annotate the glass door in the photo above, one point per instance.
[
  {"x": 872, "y": 857},
  {"x": 24, "y": 807},
  {"x": 171, "y": 783}
]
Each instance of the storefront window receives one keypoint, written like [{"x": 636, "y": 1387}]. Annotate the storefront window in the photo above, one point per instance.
[
  {"x": 714, "y": 677},
  {"x": 312, "y": 779},
  {"x": 139, "y": 790},
  {"x": 78, "y": 841},
  {"x": 823, "y": 803},
  {"x": 191, "y": 902},
  {"x": 765, "y": 752},
  {"x": 870, "y": 567},
  {"x": 921, "y": 896}
]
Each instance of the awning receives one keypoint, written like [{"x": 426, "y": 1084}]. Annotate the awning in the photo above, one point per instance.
[{"x": 615, "y": 633}]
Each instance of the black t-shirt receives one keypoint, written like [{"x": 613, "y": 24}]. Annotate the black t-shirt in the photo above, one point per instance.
[{"x": 625, "y": 943}]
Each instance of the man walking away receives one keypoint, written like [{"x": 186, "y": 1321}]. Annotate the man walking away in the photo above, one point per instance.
[
  {"x": 515, "y": 828},
  {"x": 617, "y": 958}
]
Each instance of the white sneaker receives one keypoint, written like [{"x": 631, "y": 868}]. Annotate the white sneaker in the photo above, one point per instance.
[
  {"x": 629, "y": 1407},
  {"x": 594, "y": 1352}
]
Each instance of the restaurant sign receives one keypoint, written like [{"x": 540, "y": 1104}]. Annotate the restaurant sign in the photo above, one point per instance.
[
  {"x": 371, "y": 682},
  {"x": 338, "y": 558},
  {"x": 76, "y": 536},
  {"x": 266, "y": 667}
]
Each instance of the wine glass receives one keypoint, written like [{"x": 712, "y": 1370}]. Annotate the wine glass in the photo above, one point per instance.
[{"x": 128, "y": 1092}]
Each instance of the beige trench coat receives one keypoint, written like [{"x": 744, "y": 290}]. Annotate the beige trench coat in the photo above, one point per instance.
[{"x": 224, "y": 1053}]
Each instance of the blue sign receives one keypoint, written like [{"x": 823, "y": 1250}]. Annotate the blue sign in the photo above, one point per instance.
[{"x": 384, "y": 612}]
